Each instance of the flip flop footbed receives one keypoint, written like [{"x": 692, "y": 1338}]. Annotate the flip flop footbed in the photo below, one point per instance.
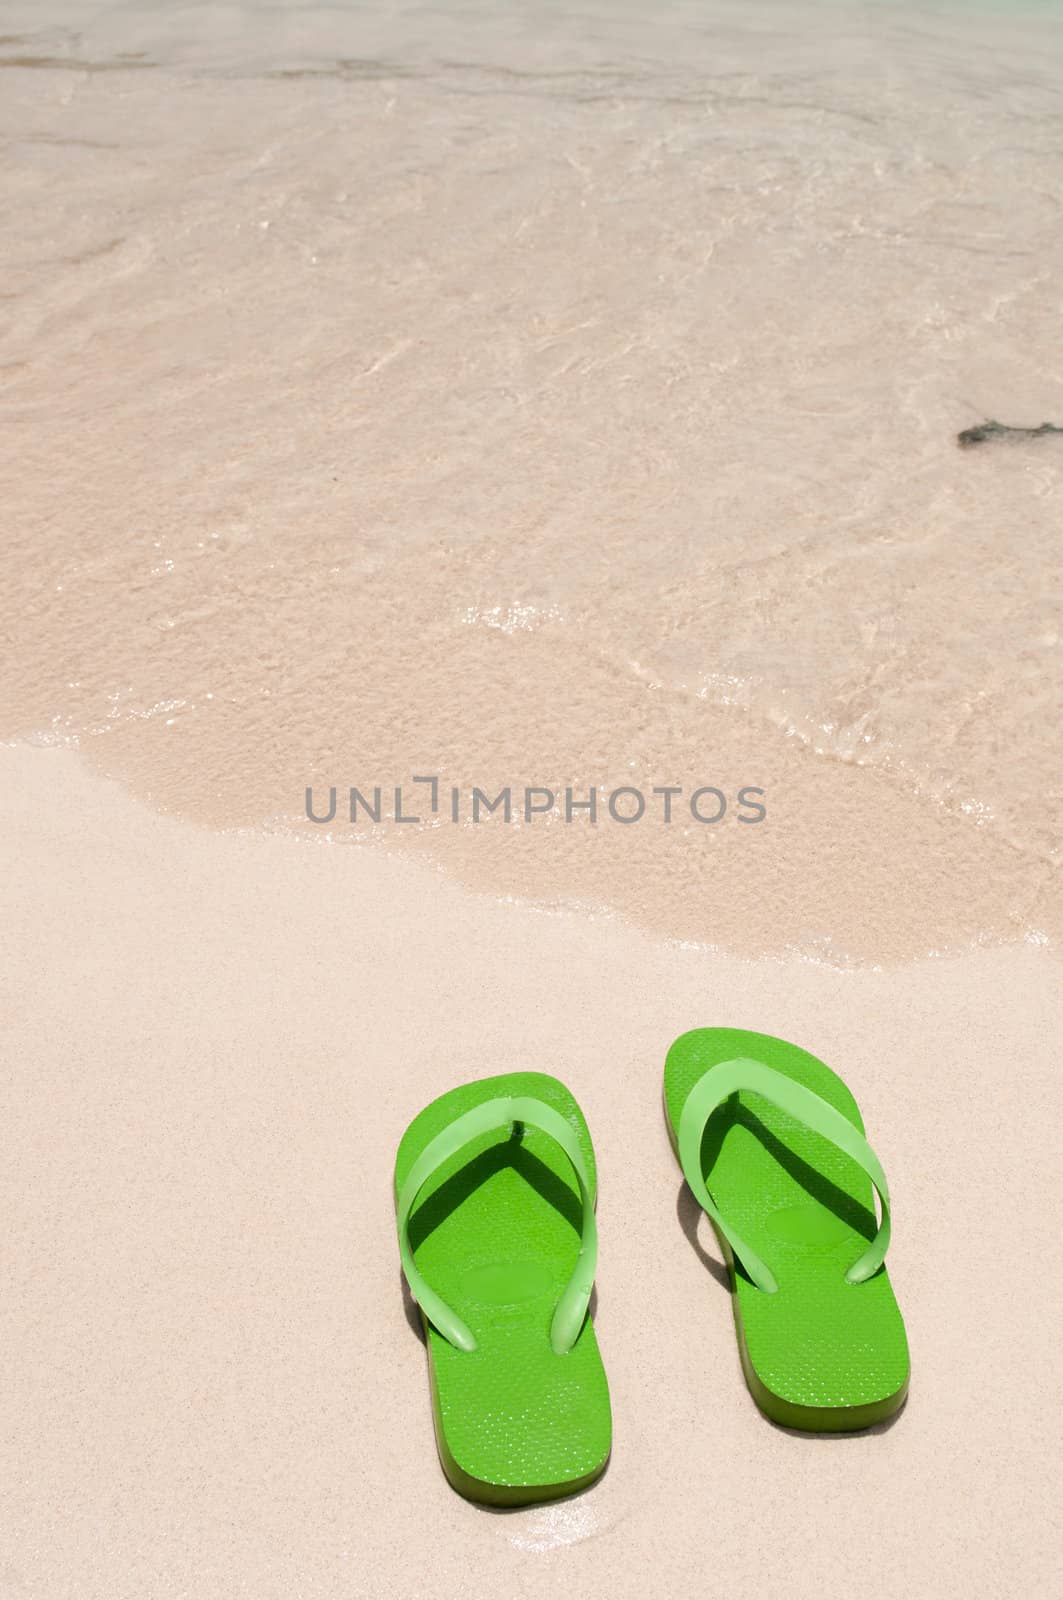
[
  {"x": 820, "y": 1353},
  {"x": 496, "y": 1233}
]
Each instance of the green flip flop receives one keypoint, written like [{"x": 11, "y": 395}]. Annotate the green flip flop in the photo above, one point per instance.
[
  {"x": 771, "y": 1143},
  {"x": 495, "y": 1189}
]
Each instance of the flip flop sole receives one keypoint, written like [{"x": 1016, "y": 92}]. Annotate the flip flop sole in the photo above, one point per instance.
[
  {"x": 821, "y": 1354},
  {"x": 496, "y": 1233}
]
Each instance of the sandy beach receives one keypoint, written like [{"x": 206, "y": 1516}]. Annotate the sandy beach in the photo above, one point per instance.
[
  {"x": 517, "y": 403},
  {"x": 213, "y": 1045}
]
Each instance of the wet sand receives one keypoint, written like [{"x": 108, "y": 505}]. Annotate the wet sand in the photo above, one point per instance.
[{"x": 566, "y": 426}]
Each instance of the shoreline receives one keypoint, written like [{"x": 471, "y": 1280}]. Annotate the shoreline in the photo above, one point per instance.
[{"x": 329, "y": 463}]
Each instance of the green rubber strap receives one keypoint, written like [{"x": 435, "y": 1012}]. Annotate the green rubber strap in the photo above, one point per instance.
[
  {"x": 729, "y": 1077},
  {"x": 491, "y": 1114}
]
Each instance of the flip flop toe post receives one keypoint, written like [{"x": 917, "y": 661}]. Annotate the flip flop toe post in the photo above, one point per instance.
[
  {"x": 495, "y": 1190},
  {"x": 772, "y": 1144}
]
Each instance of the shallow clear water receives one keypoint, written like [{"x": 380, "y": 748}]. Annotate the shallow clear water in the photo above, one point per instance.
[{"x": 530, "y": 396}]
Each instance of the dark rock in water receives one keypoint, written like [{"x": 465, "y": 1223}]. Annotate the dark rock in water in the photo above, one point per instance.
[{"x": 1001, "y": 430}]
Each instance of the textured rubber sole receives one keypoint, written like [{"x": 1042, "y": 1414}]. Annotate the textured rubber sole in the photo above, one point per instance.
[
  {"x": 821, "y": 1355},
  {"x": 496, "y": 1233}
]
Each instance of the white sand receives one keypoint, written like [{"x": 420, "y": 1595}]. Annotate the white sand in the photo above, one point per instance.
[{"x": 213, "y": 1044}]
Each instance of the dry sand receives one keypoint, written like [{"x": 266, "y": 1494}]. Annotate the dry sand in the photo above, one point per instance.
[{"x": 213, "y": 1388}]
